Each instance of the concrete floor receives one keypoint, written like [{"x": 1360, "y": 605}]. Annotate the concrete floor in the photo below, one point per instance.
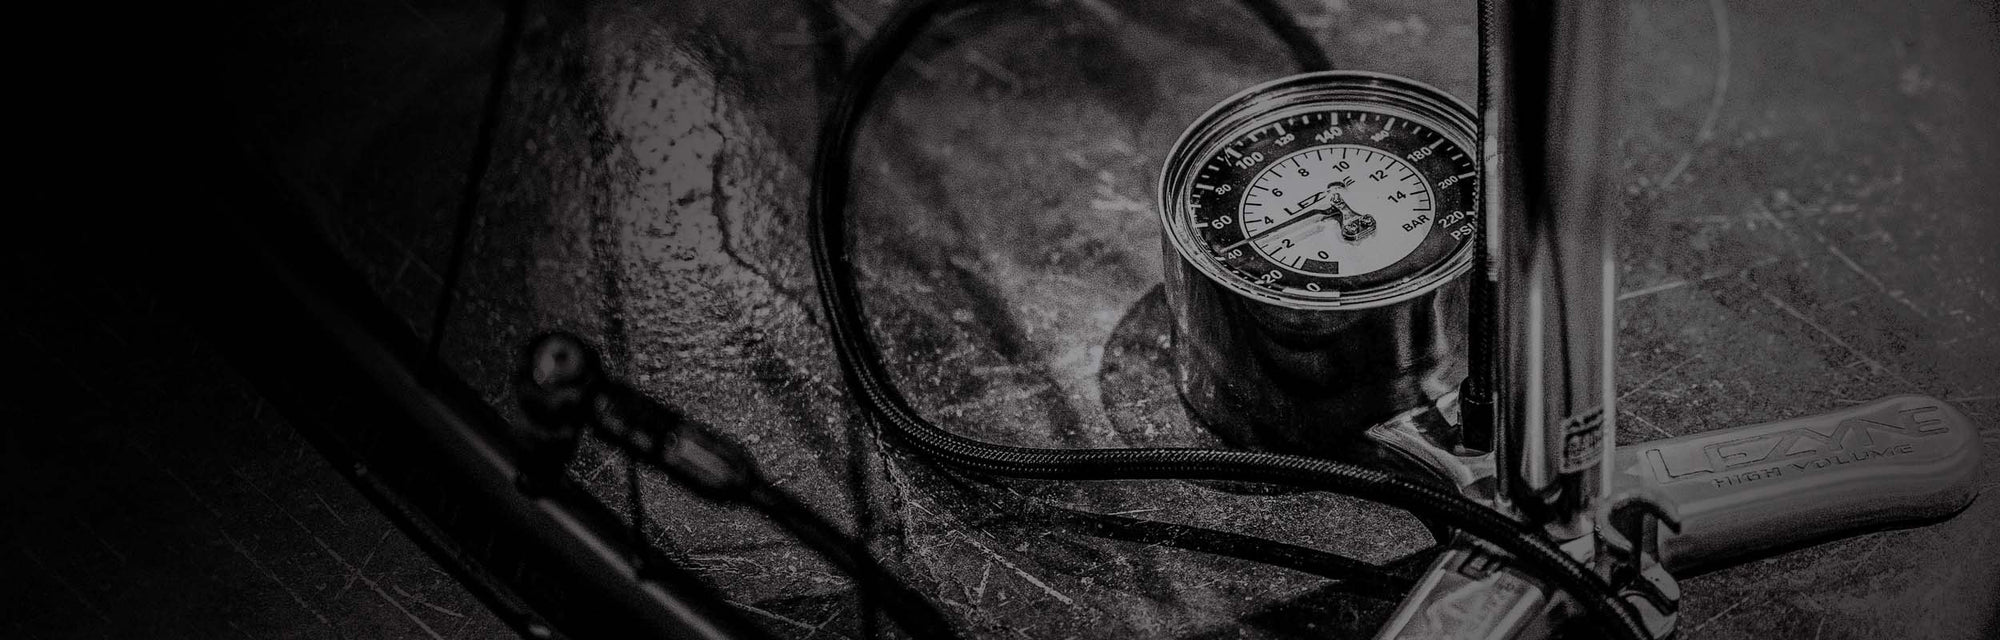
[{"x": 1805, "y": 227}]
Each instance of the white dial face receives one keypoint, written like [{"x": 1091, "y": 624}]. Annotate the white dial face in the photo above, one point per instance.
[{"x": 1337, "y": 210}]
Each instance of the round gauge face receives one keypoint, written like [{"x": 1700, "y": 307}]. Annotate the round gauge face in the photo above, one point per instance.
[{"x": 1324, "y": 204}]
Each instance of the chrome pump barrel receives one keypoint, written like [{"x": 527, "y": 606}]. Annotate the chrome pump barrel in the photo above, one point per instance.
[
  {"x": 1551, "y": 266},
  {"x": 1542, "y": 360}
]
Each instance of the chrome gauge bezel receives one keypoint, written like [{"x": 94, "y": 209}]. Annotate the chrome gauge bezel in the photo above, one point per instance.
[{"x": 1273, "y": 101}]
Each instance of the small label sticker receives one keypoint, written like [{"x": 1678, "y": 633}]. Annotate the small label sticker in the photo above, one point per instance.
[{"x": 1583, "y": 441}]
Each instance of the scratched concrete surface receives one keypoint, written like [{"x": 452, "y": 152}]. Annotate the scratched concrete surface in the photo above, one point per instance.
[{"x": 1804, "y": 228}]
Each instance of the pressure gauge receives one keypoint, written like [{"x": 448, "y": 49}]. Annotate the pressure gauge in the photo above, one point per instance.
[
  {"x": 1335, "y": 190},
  {"x": 1316, "y": 226}
]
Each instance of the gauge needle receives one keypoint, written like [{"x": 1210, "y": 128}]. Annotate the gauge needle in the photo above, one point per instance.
[{"x": 1305, "y": 213}]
